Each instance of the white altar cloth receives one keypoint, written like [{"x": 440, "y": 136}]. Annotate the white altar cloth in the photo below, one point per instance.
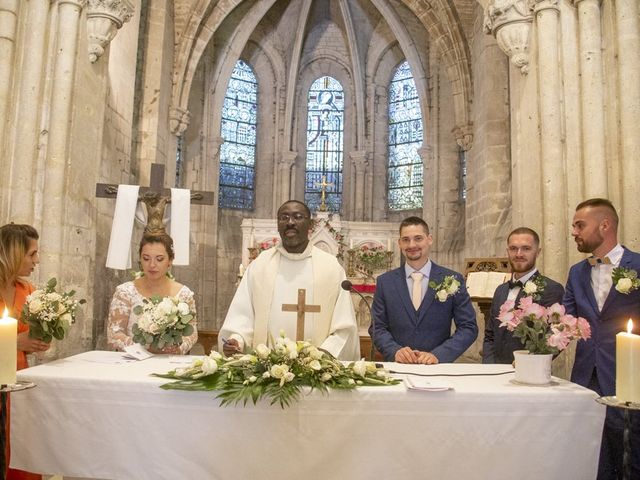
[{"x": 111, "y": 421}]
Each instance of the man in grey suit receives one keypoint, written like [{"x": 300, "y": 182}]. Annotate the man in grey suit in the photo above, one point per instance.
[
  {"x": 414, "y": 305},
  {"x": 523, "y": 248}
]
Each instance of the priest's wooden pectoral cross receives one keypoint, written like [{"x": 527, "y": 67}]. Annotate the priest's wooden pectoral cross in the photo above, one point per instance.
[
  {"x": 155, "y": 197},
  {"x": 301, "y": 308},
  {"x": 323, "y": 189}
]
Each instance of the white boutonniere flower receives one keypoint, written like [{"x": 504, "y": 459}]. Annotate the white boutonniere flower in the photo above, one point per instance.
[
  {"x": 625, "y": 280},
  {"x": 533, "y": 288},
  {"x": 445, "y": 289}
]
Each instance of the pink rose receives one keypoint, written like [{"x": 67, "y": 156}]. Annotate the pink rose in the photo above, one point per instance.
[
  {"x": 556, "y": 309},
  {"x": 585, "y": 328},
  {"x": 559, "y": 338}
]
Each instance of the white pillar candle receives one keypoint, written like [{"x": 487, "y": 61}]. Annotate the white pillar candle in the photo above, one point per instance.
[
  {"x": 388, "y": 244},
  {"x": 351, "y": 243},
  {"x": 241, "y": 270},
  {"x": 628, "y": 366},
  {"x": 8, "y": 348}
]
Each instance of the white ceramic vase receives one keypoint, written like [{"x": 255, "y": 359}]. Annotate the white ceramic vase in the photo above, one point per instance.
[{"x": 532, "y": 368}]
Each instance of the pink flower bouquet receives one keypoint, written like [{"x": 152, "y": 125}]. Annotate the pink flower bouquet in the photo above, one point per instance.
[{"x": 542, "y": 330}]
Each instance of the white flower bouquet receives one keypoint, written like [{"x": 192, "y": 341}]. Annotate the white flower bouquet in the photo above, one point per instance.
[
  {"x": 49, "y": 313},
  {"x": 162, "y": 321},
  {"x": 277, "y": 374}
]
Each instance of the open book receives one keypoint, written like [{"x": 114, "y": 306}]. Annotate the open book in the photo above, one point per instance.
[{"x": 484, "y": 284}]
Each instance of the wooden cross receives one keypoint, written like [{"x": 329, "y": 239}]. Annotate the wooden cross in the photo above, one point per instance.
[
  {"x": 155, "y": 196},
  {"x": 301, "y": 308},
  {"x": 323, "y": 189}
]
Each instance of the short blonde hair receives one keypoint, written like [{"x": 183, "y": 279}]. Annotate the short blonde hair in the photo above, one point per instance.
[{"x": 14, "y": 244}]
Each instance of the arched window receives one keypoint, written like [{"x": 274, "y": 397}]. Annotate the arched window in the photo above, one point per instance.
[
  {"x": 325, "y": 130},
  {"x": 405, "y": 179},
  {"x": 238, "y": 152}
]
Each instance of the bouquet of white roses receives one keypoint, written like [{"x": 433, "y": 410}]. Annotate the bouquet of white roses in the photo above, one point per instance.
[
  {"x": 49, "y": 313},
  {"x": 542, "y": 330},
  {"x": 162, "y": 321},
  {"x": 277, "y": 373}
]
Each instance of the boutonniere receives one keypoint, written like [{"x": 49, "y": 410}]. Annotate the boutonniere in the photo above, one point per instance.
[
  {"x": 445, "y": 289},
  {"x": 625, "y": 280},
  {"x": 533, "y": 288}
]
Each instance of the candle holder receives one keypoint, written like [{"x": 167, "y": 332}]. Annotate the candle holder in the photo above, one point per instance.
[
  {"x": 626, "y": 407},
  {"x": 4, "y": 390}
]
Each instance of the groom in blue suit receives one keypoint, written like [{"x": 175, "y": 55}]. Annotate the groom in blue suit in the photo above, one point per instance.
[
  {"x": 414, "y": 305},
  {"x": 591, "y": 294}
]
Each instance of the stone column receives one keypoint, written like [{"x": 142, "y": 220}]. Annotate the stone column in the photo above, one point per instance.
[
  {"x": 286, "y": 180},
  {"x": 53, "y": 218},
  {"x": 554, "y": 229},
  {"x": 360, "y": 162},
  {"x": 592, "y": 98},
  {"x": 628, "y": 38},
  {"x": 20, "y": 207},
  {"x": 8, "y": 25},
  {"x": 429, "y": 188}
]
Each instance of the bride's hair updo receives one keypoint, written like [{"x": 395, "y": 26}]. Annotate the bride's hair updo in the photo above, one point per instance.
[{"x": 162, "y": 238}]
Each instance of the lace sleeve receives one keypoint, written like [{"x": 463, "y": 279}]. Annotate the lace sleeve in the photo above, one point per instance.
[
  {"x": 186, "y": 296},
  {"x": 118, "y": 322}
]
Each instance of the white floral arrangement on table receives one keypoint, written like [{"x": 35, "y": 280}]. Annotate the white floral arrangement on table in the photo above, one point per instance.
[
  {"x": 625, "y": 280},
  {"x": 445, "y": 289},
  {"x": 276, "y": 374},
  {"x": 49, "y": 313},
  {"x": 533, "y": 288},
  {"x": 162, "y": 322},
  {"x": 542, "y": 330}
]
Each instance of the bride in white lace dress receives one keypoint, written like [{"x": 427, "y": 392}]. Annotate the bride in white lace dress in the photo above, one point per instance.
[{"x": 156, "y": 256}]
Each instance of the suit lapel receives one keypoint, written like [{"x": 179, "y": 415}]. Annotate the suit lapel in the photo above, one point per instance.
[
  {"x": 584, "y": 280},
  {"x": 436, "y": 275},
  {"x": 403, "y": 292},
  {"x": 625, "y": 262}
]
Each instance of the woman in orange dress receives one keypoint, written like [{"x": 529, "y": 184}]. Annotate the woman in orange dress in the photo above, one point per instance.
[{"x": 18, "y": 258}]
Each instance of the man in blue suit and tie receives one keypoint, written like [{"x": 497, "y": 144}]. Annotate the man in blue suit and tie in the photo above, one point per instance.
[
  {"x": 414, "y": 305},
  {"x": 590, "y": 293},
  {"x": 523, "y": 247}
]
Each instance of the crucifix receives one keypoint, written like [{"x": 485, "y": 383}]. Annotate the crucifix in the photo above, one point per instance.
[
  {"x": 155, "y": 197},
  {"x": 301, "y": 308},
  {"x": 323, "y": 189}
]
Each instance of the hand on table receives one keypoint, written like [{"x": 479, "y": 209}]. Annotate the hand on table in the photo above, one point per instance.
[{"x": 230, "y": 347}]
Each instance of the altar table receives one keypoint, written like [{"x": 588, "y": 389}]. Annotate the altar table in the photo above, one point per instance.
[{"x": 90, "y": 417}]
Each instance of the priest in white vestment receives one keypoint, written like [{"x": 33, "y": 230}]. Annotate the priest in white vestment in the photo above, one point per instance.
[{"x": 273, "y": 279}]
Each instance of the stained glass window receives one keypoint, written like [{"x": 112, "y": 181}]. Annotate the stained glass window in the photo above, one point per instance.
[
  {"x": 405, "y": 182},
  {"x": 238, "y": 152},
  {"x": 325, "y": 130}
]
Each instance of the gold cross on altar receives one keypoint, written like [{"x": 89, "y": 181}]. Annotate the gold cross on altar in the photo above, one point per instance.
[
  {"x": 301, "y": 308},
  {"x": 323, "y": 189}
]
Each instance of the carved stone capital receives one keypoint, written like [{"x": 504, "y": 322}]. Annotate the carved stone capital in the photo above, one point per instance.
[
  {"x": 104, "y": 18},
  {"x": 510, "y": 22},
  {"x": 464, "y": 136},
  {"x": 76, "y": 3},
  {"x": 287, "y": 159},
  {"x": 178, "y": 120},
  {"x": 360, "y": 159},
  {"x": 426, "y": 154},
  {"x": 540, "y": 5}
]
